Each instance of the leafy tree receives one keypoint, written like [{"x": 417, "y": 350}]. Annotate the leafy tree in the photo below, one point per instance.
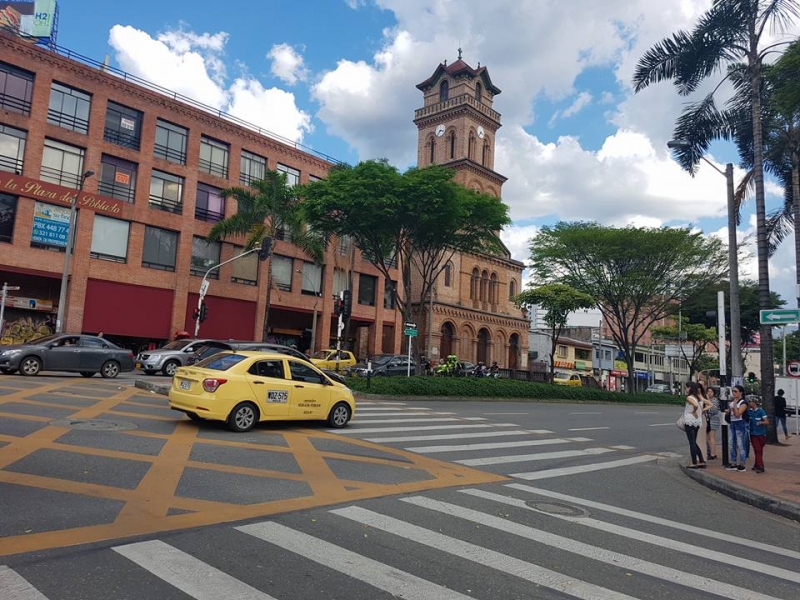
[
  {"x": 792, "y": 342},
  {"x": 635, "y": 274},
  {"x": 268, "y": 209},
  {"x": 728, "y": 35},
  {"x": 417, "y": 219},
  {"x": 696, "y": 335},
  {"x": 558, "y": 301}
]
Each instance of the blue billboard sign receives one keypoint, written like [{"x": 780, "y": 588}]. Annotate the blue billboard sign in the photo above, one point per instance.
[{"x": 50, "y": 224}]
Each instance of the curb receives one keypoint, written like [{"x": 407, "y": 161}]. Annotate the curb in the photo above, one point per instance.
[
  {"x": 156, "y": 388},
  {"x": 783, "y": 508}
]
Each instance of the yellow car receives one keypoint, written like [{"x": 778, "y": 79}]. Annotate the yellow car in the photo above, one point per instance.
[
  {"x": 244, "y": 388},
  {"x": 326, "y": 359},
  {"x": 568, "y": 379}
]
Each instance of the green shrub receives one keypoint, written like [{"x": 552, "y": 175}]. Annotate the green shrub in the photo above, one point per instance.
[{"x": 496, "y": 389}]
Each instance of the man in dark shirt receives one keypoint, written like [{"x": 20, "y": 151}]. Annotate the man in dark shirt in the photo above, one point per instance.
[{"x": 780, "y": 413}]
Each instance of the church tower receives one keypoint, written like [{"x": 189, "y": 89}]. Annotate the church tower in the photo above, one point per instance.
[{"x": 471, "y": 313}]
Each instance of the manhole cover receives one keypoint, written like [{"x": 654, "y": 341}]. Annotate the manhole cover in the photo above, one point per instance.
[
  {"x": 557, "y": 508},
  {"x": 94, "y": 424}
]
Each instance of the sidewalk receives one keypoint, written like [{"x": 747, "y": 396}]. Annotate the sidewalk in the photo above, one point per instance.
[{"x": 777, "y": 490}]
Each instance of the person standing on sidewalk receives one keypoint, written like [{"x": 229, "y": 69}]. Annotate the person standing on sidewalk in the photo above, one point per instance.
[
  {"x": 692, "y": 422},
  {"x": 758, "y": 432},
  {"x": 713, "y": 420},
  {"x": 780, "y": 413},
  {"x": 737, "y": 430}
]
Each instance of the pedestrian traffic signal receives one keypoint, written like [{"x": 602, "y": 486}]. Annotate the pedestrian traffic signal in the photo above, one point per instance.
[
  {"x": 338, "y": 306},
  {"x": 347, "y": 303},
  {"x": 196, "y": 314},
  {"x": 203, "y": 315},
  {"x": 751, "y": 377},
  {"x": 263, "y": 252}
]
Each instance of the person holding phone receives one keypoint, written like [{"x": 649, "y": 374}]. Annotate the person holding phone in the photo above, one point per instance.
[{"x": 758, "y": 432}]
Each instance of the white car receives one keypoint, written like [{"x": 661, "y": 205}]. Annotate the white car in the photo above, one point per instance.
[{"x": 169, "y": 358}]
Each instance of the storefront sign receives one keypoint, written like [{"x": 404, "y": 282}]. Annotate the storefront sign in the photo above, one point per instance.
[
  {"x": 50, "y": 224},
  {"x": 29, "y": 303},
  {"x": 564, "y": 364},
  {"x": 40, "y": 190}
]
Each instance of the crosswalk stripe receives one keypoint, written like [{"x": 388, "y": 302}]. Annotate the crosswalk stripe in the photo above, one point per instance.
[
  {"x": 616, "y": 559},
  {"x": 453, "y": 436},
  {"x": 500, "y": 460},
  {"x": 483, "y": 556},
  {"x": 187, "y": 573},
  {"x": 657, "y": 540},
  {"x": 735, "y": 539},
  {"x": 394, "y": 581},
  {"x": 389, "y": 408},
  {"x": 363, "y": 413},
  {"x": 15, "y": 587},
  {"x": 368, "y": 403},
  {"x": 588, "y": 428},
  {"x": 560, "y": 472},
  {"x": 357, "y": 430},
  {"x": 495, "y": 445},
  {"x": 412, "y": 420}
]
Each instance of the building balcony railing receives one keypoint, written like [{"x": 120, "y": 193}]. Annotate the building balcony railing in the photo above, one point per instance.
[
  {"x": 167, "y": 205},
  {"x": 15, "y": 104},
  {"x": 205, "y": 214},
  {"x": 120, "y": 192},
  {"x": 67, "y": 121},
  {"x": 454, "y": 103},
  {"x": 120, "y": 138},
  {"x": 213, "y": 168},
  {"x": 170, "y": 154},
  {"x": 12, "y": 165},
  {"x": 60, "y": 177}
]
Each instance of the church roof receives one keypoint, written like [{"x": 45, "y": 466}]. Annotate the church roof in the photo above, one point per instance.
[{"x": 458, "y": 68}]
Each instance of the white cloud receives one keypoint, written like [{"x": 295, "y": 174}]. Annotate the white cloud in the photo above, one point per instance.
[
  {"x": 287, "y": 64},
  {"x": 583, "y": 100}
]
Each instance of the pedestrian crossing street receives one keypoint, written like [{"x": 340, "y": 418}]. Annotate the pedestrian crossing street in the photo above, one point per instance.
[
  {"x": 528, "y": 454},
  {"x": 499, "y": 541}
]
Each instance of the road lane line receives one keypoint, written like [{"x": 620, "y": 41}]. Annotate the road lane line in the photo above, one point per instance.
[
  {"x": 190, "y": 575},
  {"x": 356, "y": 430},
  {"x": 546, "y": 474},
  {"x": 386, "y": 409},
  {"x": 494, "y": 445},
  {"x": 393, "y": 581},
  {"x": 632, "y": 514},
  {"x": 501, "y": 460},
  {"x": 363, "y": 413},
  {"x": 588, "y": 428},
  {"x": 482, "y": 556},
  {"x": 641, "y": 536},
  {"x": 609, "y": 557},
  {"x": 422, "y": 420},
  {"x": 15, "y": 587},
  {"x": 662, "y": 425},
  {"x": 452, "y": 436}
]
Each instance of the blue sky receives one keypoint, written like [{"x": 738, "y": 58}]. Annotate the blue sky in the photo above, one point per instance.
[{"x": 339, "y": 76}]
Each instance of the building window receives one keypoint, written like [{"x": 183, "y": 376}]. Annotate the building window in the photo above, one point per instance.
[
  {"x": 214, "y": 157},
  {"x": 205, "y": 255},
  {"x": 448, "y": 275},
  {"x": 252, "y": 167},
  {"x": 62, "y": 164},
  {"x": 366, "y": 289},
  {"x": 171, "y": 142},
  {"x": 452, "y": 140},
  {"x": 245, "y": 269},
  {"x": 561, "y": 351},
  {"x": 110, "y": 239},
  {"x": 471, "y": 146},
  {"x": 16, "y": 89},
  {"x": 312, "y": 279},
  {"x": 50, "y": 226},
  {"x": 485, "y": 155},
  {"x": 117, "y": 178},
  {"x": 444, "y": 91},
  {"x": 432, "y": 155},
  {"x": 292, "y": 175},
  {"x": 8, "y": 214},
  {"x": 478, "y": 92},
  {"x": 388, "y": 293},
  {"x": 166, "y": 192},
  {"x": 123, "y": 126},
  {"x": 210, "y": 203},
  {"x": 340, "y": 281},
  {"x": 282, "y": 272},
  {"x": 345, "y": 245},
  {"x": 12, "y": 149},
  {"x": 485, "y": 287},
  {"x": 160, "y": 248},
  {"x": 494, "y": 296},
  {"x": 69, "y": 108},
  {"x": 474, "y": 284},
  {"x": 512, "y": 290}
]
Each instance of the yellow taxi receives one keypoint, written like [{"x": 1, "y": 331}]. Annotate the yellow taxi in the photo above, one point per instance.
[
  {"x": 568, "y": 379},
  {"x": 326, "y": 359},
  {"x": 244, "y": 388}
]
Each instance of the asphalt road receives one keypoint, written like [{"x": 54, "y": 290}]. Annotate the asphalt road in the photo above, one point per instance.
[{"x": 587, "y": 502}]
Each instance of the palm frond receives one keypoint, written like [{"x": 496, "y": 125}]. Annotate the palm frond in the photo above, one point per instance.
[{"x": 660, "y": 63}]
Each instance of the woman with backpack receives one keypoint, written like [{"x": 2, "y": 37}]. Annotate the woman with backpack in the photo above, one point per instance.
[
  {"x": 737, "y": 430},
  {"x": 693, "y": 421}
]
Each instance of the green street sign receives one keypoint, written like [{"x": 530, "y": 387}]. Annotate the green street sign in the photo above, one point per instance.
[
  {"x": 780, "y": 316},
  {"x": 410, "y": 332}
]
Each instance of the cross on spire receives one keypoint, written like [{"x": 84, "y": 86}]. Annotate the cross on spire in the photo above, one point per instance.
[{"x": 459, "y": 53}]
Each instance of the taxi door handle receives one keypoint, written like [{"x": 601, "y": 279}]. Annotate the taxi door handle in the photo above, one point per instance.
[
  {"x": 258, "y": 382},
  {"x": 299, "y": 386}
]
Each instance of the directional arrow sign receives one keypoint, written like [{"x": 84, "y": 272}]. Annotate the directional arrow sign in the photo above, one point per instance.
[{"x": 780, "y": 316}]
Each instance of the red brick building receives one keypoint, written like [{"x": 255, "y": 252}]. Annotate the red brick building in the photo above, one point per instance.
[{"x": 159, "y": 163}]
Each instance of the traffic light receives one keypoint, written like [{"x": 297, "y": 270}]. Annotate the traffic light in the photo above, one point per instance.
[
  {"x": 263, "y": 252},
  {"x": 347, "y": 303},
  {"x": 203, "y": 313},
  {"x": 196, "y": 314},
  {"x": 751, "y": 377},
  {"x": 338, "y": 306}
]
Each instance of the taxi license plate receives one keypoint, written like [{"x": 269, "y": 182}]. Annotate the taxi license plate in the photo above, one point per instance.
[
  {"x": 185, "y": 385},
  {"x": 138, "y": 365}
]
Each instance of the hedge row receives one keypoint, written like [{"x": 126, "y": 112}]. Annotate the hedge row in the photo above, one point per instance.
[{"x": 468, "y": 387}]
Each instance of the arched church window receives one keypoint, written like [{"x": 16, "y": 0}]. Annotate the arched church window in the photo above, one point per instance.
[
  {"x": 452, "y": 144},
  {"x": 478, "y": 92},
  {"x": 474, "y": 284},
  {"x": 444, "y": 91},
  {"x": 432, "y": 155},
  {"x": 485, "y": 156}
]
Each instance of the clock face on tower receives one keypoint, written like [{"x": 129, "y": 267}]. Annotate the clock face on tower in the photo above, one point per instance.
[
  {"x": 440, "y": 131},
  {"x": 481, "y": 132}
]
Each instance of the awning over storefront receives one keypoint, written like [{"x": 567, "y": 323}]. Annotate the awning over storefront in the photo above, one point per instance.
[{"x": 130, "y": 310}]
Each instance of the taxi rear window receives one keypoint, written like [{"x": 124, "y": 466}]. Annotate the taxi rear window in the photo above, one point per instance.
[{"x": 221, "y": 361}]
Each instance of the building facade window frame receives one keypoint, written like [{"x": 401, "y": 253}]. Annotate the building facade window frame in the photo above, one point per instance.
[
  {"x": 69, "y": 107},
  {"x": 214, "y": 156},
  {"x": 448, "y": 275},
  {"x": 110, "y": 239},
  {"x": 123, "y": 126},
  {"x": 252, "y": 167},
  {"x": 282, "y": 269},
  {"x": 209, "y": 203},
  {"x": 478, "y": 92},
  {"x": 62, "y": 163},
  {"x": 12, "y": 149},
  {"x": 367, "y": 288},
  {"x": 245, "y": 269},
  {"x": 118, "y": 178},
  {"x": 8, "y": 216},
  {"x": 171, "y": 141},
  {"x": 312, "y": 279},
  {"x": 166, "y": 192},
  {"x": 16, "y": 89},
  {"x": 292, "y": 174},
  {"x": 205, "y": 255},
  {"x": 388, "y": 294},
  {"x": 444, "y": 91},
  {"x": 160, "y": 248}
]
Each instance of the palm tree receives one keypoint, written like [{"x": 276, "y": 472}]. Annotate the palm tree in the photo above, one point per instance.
[
  {"x": 268, "y": 209},
  {"x": 728, "y": 34}
]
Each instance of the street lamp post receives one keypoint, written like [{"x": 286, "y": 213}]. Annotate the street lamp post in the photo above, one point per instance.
[
  {"x": 314, "y": 318},
  {"x": 733, "y": 263},
  {"x": 73, "y": 211}
]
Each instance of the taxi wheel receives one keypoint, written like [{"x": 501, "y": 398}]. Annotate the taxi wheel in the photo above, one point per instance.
[
  {"x": 30, "y": 365},
  {"x": 243, "y": 417},
  {"x": 339, "y": 415},
  {"x": 110, "y": 369}
]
